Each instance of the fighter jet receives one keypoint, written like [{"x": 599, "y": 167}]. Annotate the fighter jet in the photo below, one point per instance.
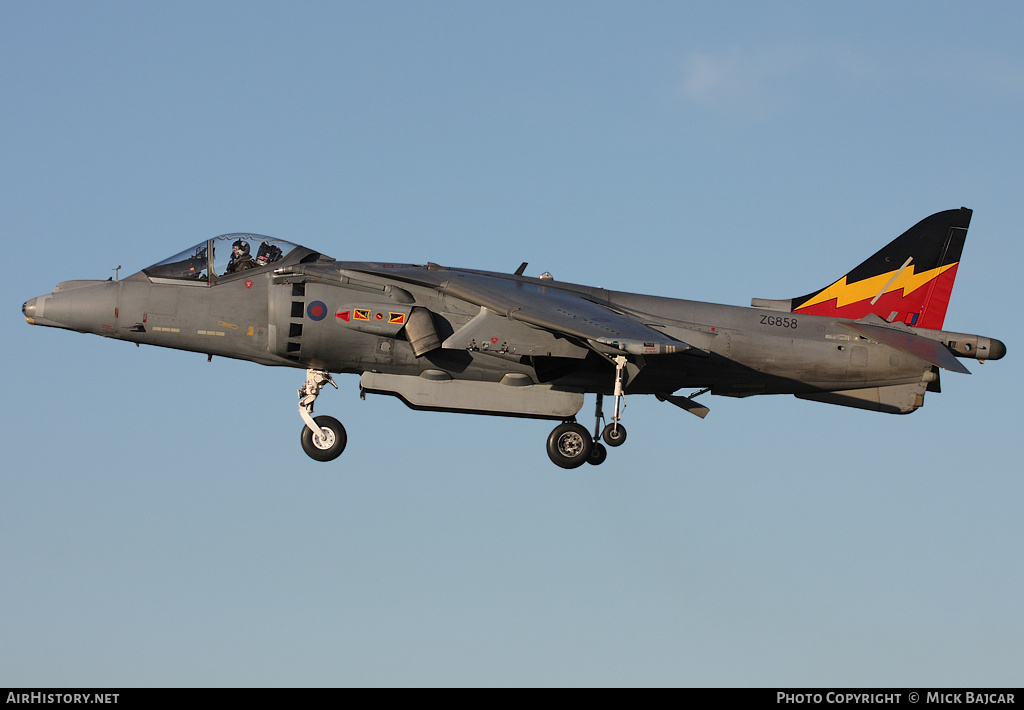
[{"x": 460, "y": 340}]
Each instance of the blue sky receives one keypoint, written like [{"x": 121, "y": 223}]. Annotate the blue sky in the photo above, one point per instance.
[{"x": 161, "y": 525}]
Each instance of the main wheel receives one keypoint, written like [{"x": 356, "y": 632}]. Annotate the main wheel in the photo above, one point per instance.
[
  {"x": 614, "y": 434},
  {"x": 329, "y": 443},
  {"x": 597, "y": 454},
  {"x": 569, "y": 445}
]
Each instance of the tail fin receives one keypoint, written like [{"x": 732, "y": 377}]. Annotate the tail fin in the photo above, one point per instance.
[{"x": 909, "y": 280}]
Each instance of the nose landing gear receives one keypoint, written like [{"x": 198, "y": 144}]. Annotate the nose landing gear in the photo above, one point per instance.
[{"x": 323, "y": 437}]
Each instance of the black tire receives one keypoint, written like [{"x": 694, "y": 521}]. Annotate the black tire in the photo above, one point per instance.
[
  {"x": 329, "y": 445},
  {"x": 569, "y": 445},
  {"x": 597, "y": 454},
  {"x": 614, "y": 434}
]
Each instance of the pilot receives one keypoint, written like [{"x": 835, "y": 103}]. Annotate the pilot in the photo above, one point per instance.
[
  {"x": 267, "y": 254},
  {"x": 241, "y": 259}
]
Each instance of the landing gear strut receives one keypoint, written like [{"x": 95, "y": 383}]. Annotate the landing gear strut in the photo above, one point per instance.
[
  {"x": 615, "y": 434},
  {"x": 323, "y": 437},
  {"x": 599, "y": 453}
]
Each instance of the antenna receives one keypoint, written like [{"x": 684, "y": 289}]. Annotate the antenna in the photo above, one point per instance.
[
  {"x": 894, "y": 277},
  {"x": 115, "y": 270}
]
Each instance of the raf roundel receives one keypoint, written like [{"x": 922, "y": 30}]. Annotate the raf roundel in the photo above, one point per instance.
[{"x": 317, "y": 310}]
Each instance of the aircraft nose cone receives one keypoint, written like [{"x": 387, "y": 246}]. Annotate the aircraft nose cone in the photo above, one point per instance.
[
  {"x": 29, "y": 309},
  {"x": 85, "y": 306}
]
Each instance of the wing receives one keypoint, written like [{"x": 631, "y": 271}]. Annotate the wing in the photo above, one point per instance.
[
  {"x": 545, "y": 305},
  {"x": 561, "y": 311}
]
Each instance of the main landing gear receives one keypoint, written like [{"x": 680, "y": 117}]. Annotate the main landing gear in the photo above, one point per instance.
[
  {"x": 570, "y": 445},
  {"x": 323, "y": 437}
]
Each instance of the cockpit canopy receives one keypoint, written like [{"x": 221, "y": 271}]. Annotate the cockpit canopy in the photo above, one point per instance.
[{"x": 222, "y": 256}]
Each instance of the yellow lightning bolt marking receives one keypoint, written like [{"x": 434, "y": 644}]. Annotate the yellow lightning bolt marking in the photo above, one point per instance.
[{"x": 845, "y": 293}]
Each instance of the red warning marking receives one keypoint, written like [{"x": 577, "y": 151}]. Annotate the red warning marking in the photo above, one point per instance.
[
  {"x": 379, "y": 316},
  {"x": 396, "y": 318},
  {"x": 248, "y": 284},
  {"x": 361, "y": 314},
  {"x": 342, "y": 315}
]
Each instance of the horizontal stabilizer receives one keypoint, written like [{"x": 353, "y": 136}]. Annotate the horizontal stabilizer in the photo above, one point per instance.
[{"x": 931, "y": 351}]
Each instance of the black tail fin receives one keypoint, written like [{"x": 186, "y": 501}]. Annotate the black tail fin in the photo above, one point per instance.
[{"x": 909, "y": 280}]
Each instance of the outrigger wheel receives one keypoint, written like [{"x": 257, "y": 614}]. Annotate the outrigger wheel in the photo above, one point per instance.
[
  {"x": 614, "y": 434},
  {"x": 570, "y": 445}
]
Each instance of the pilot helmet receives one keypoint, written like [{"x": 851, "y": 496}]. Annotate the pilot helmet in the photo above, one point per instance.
[{"x": 242, "y": 246}]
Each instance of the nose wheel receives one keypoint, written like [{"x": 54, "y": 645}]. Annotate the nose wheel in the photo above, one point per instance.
[
  {"x": 327, "y": 443},
  {"x": 323, "y": 437}
]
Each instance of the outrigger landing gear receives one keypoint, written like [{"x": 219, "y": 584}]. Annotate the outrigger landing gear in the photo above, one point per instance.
[
  {"x": 615, "y": 434},
  {"x": 323, "y": 438}
]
